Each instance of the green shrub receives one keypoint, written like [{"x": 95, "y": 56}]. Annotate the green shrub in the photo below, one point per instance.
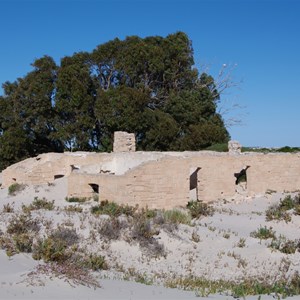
[
  {"x": 274, "y": 212},
  {"x": 177, "y": 217},
  {"x": 218, "y": 147},
  {"x": 73, "y": 208},
  {"x": 241, "y": 243},
  {"x": 284, "y": 245},
  {"x": 95, "y": 262},
  {"x": 38, "y": 204},
  {"x": 22, "y": 224},
  {"x": 113, "y": 209},
  {"x": 198, "y": 209},
  {"x": 263, "y": 233},
  {"x": 56, "y": 247},
  {"x": 279, "y": 211},
  {"x": 76, "y": 199},
  {"x": 68, "y": 236},
  {"x": 23, "y": 242},
  {"x": 142, "y": 228},
  {"x": 111, "y": 228},
  {"x": 287, "y": 203},
  {"x": 50, "y": 249},
  {"x": 15, "y": 188},
  {"x": 8, "y": 208}
]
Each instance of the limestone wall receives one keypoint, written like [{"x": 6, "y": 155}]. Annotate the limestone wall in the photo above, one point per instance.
[
  {"x": 124, "y": 142},
  {"x": 160, "y": 180}
]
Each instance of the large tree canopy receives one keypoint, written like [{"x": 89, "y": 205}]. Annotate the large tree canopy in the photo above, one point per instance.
[{"x": 147, "y": 86}]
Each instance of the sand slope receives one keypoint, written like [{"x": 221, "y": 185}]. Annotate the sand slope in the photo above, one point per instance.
[{"x": 209, "y": 249}]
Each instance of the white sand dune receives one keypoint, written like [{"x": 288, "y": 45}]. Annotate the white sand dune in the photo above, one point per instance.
[{"x": 208, "y": 250}]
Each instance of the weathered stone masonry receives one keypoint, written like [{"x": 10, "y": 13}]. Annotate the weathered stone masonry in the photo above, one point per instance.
[{"x": 160, "y": 179}]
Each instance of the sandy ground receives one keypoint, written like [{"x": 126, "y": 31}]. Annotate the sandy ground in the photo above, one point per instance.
[{"x": 208, "y": 249}]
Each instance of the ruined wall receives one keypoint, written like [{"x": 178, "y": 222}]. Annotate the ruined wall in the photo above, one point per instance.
[
  {"x": 156, "y": 184},
  {"x": 46, "y": 167},
  {"x": 160, "y": 180},
  {"x": 166, "y": 183},
  {"x": 124, "y": 142}
]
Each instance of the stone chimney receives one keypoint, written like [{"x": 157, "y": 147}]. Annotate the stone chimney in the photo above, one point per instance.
[
  {"x": 124, "y": 142},
  {"x": 234, "y": 147}
]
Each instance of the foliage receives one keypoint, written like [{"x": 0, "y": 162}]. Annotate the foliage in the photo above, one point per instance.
[
  {"x": 22, "y": 224},
  {"x": 23, "y": 242},
  {"x": 198, "y": 209},
  {"x": 8, "y": 208},
  {"x": 56, "y": 247},
  {"x": 263, "y": 233},
  {"x": 15, "y": 188},
  {"x": 241, "y": 243},
  {"x": 113, "y": 209},
  {"x": 73, "y": 208},
  {"x": 279, "y": 211},
  {"x": 282, "y": 287},
  {"x": 285, "y": 149},
  {"x": 111, "y": 228},
  {"x": 76, "y": 199},
  {"x": 148, "y": 86},
  {"x": 177, "y": 217},
  {"x": 38, "y": 204},
  {"x": 284, "y": 245},
  {"x": 95, "y": 262},
  {"x": 218, "y": 147}
]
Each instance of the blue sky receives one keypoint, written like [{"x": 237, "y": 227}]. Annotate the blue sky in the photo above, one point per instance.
[{"x": 261, "y": 37}]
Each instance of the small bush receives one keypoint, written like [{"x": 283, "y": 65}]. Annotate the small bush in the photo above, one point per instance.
[
  {"x": 76, "y": 199},
  {"x": 198, "y": 209},
  {"x": 279, "y": 211},
  {"x": 177, "y": 217},
  {"x": 95, "y": 262},
  {"x": 142, "y": 229},
  {"x": 38, "y": 204},
  {"x": 284, "y": 245},
  {"x": 15, "y": 188},
  {"x": 218, "y": 147},
  {"x": 50, "y": 249},
  {"x": 274, "y": 212},
  {"x": 7, "y": 244},
  {"x": 8, "y": 208},
  {"x": 113, "y": 209},
  {"x": 287, "y": 203},
  {"x": 22, "y": 224},
  {"x": 263, "y": 233},
  {"x": 241, "y": 243},
  {"x": 148, "y": 213},
  {"x": 111, "y": 229},
  {"x": 23, "y": 242},
  {"x": 73, "y": 208},
  {"x": 68, "y": 236}
]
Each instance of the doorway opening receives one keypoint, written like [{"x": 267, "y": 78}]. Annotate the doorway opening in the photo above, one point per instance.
[
  {"x": 95, "y": 187},
  {"x": 241, "y": 178},
  {"x": 194, "y": 183}
]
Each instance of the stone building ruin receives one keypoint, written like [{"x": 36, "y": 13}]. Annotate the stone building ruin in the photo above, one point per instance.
[{"x": 160, "y": 179}]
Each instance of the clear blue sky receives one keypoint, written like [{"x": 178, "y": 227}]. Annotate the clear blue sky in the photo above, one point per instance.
[{"x": 261, "y": 37}]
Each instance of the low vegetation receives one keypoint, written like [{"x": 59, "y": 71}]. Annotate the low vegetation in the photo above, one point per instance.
[
  {"x": 263, "y": 233},
  {"x": 38, "y": 204},
  {"x": 76, "y": 199},
  {"x": 285, "y": 245},
  {"x": 199, "y": 208},
  {"x": 203, "y": 287},
  {"x": 69, "y": 251},
  {"x": 15, "y": 188},
  {"x": 283, "y": 210},
  {"x": 113, "y": 209}
]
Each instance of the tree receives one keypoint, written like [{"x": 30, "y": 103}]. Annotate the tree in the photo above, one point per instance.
[
  {"x": 74, "y": 104},
  {"x": 147, "y": 86}
]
